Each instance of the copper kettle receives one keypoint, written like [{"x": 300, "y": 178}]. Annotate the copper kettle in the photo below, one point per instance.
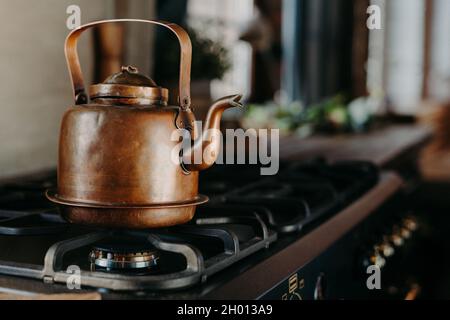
[{"x": 115, "y": 166}]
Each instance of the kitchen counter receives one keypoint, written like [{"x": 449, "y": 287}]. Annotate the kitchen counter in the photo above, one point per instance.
[{"x": 382, "y": 146}]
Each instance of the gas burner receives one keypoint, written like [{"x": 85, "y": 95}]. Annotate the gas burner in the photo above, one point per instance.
[{"x": 120, "y": 256}]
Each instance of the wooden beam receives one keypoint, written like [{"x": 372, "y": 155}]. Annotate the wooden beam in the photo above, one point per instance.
[
  {"x": 427, "y": 47},
  {"x": 360, "y": 48}
]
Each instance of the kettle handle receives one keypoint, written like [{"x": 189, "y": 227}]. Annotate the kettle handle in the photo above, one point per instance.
[{"x": 76, "y": 75}]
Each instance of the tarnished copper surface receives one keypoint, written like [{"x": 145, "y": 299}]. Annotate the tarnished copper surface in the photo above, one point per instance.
[
  {"x": 116, "y": 163},
  {"x": 130, "y": 76},
  {"x": 129, "y": 218},
  {"x": 136, "y": 217},
  {"x": 109, "y": 91},
  {"x": 128, "y": 87},
  {"x": 210, "y": 139}
]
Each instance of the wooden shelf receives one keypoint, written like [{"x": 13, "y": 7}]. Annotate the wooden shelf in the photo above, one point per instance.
[{"x": 380, "y": 146}]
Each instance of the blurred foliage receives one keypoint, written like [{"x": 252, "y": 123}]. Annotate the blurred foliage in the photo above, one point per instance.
[
  {"x": 210, "y": 59},
  {"x": 332, "y": 115}
]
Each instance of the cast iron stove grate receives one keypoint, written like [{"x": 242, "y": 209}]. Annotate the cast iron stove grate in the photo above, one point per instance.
[
  {"x": 241, "y": 219},
  {"x": 189, "y": 254},
  {"x": 299, "y": 197}
]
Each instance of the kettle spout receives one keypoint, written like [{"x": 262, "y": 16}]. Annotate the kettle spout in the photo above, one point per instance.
[{"x": 204, "y": 151}]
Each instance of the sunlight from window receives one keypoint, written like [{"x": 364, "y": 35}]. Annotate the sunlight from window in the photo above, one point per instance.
[{"x": 223, "y": 21}]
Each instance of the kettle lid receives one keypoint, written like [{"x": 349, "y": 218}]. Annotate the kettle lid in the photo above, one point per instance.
[{"x": 128, "y": 87}]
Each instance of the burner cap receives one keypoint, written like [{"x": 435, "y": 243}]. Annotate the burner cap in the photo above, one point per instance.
[{"x": 127, "y": 255}]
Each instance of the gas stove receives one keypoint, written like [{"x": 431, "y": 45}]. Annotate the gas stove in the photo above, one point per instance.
[{"x": 249, "y": 221}]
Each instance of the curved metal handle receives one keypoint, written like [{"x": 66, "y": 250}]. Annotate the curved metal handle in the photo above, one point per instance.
[{"x": 76, "y": 75}]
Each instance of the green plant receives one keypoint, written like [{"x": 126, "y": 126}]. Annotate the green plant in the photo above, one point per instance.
[
  {"x": 331, "y": 115},
  {"x": 209, "y": 58}
]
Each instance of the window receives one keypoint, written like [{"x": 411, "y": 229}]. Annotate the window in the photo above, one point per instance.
[
  {"x": 223, "y": 21},
  {"x": 405, "y": 53},
  {"x": 440, "y": 57}
]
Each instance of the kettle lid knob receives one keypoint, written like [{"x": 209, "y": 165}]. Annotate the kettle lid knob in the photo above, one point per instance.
[
  {"x": 129, "y": 75},
  {"x": 129, "y": 87},
  {"x": 129, "y": 69}
]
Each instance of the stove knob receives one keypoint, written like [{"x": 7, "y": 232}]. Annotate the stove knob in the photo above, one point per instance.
[
  {"x": 385, "y": 248},
  {"x": 405, "y": 233},
  {"x": 377, "y": 259},
  {"x": 396, "y": 238},
  {"x": 410, "y": 224},
  {"x": 319, "y": 290},
  {"x": 295, "y": 296}
]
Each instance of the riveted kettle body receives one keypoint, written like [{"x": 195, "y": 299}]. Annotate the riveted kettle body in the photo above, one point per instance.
[{"x": 116, "y": 163}]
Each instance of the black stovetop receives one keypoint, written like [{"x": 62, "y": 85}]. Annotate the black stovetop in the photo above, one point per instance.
[{"x": 247, "y": 214}]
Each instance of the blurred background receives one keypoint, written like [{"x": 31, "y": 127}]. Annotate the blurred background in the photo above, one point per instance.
[{"x": 304, "y": 66}]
